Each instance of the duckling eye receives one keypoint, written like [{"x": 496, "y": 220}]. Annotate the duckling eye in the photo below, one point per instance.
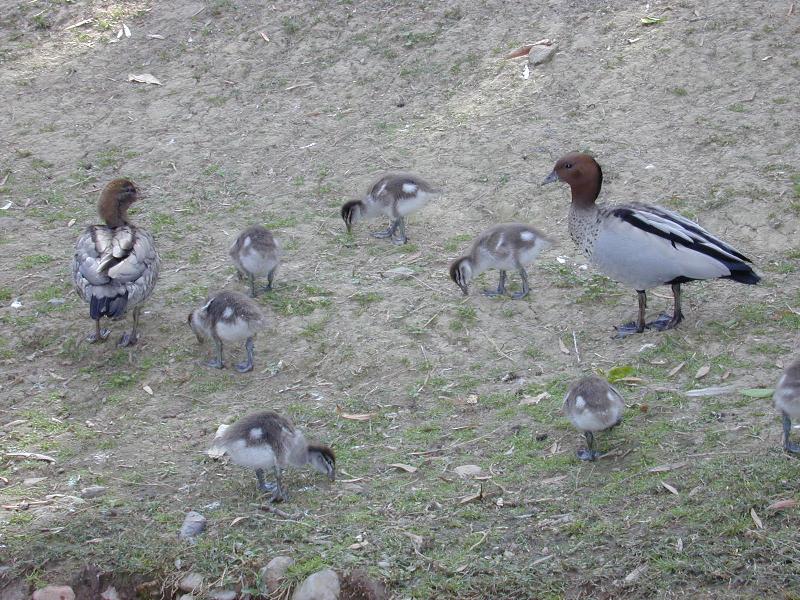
[{"x": 568, "y": 166}]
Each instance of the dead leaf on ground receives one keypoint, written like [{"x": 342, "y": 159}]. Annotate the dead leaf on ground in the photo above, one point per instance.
[
  {"x": 472, "y": 497},
  {"x": 404, "y": 467},
  {"x": 635, "y": 574},
  {"x": 31, "y": 456},
  {"x": 756, "y": 518},
  {"x": 416, "y": 540},
  {"x": 552, "y": 480},
  {"x": 144, "y": 78},
  {"x": 781, "y": 504},
  {"x": 525, "y": 49},
  {"x": 702, "y": 371},
  {"x": 562, "y": 347},
  {"x": 670, "y": 488},
  {"x": 667, "y": 467},
  {"x": 353, "y": 416},
  {"x": 468, "y": 470},
  {"x": 358, "y": 545},
  {"x": 676, "y": 369},
  {"x": 264, "y": 36},
  {"x": 237, "y": 520},
  {"x": 148, "y": 389},
  {"x": 527, "y": 400}
]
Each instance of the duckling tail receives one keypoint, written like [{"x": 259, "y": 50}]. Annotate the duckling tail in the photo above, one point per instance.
[{"x": 108, "y": 306}]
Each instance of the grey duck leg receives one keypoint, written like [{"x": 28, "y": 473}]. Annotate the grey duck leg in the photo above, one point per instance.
[
  {"x": 244, "y": 367},
  {"x": 787, "y": 430},
  {"x": 588, "y": 453},
  {"x": 501, "y": 287},
  {"x": 217, "y": 363},
  {"x": 388, "y": 232},
  {"x": 664, "y": 322},
  {"x": 638, "y": 327},
  {"x": 99, "y": 335},
  {"x": 130, "y": 339},
  {"x": 525, "y": 287}
]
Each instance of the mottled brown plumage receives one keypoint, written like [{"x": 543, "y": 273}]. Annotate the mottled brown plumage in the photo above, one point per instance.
[
  {"x": 787, "y": 401},
  {"x": 116, "y": 265},
  {"x": 256, "y": 253},
  {"x": 593, "y": 404}
]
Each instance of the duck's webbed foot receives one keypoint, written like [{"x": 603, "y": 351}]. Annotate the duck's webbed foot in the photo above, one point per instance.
[
  {"x": 623, "y": 331},
  {"x": 664, "y": 322},
  {"x": 101, "y": 335},
  {"x": 129, "y": 338},
  {"x": 244, "y": 367},
  {"x": 788, "y": 446},
  {"x": 587, "y": 455},
  {"x": 501, "y": 287},
  {"x": 386, "y": 233},
  {"x": 215, "y": 363}
]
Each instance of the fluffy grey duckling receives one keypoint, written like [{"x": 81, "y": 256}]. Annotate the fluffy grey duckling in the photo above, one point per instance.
[
  {"x": 504, "y": 247},
  {"x": 395, "y": 196},
  {"x": 593, "y": 404},
  {"x": 228, "y": 317},
  {"x": 787, "y": 400},
  {"x": 116, "y": 265},
  {"x": 266, "y": 440},
  {"x": 256, "y": 253}
]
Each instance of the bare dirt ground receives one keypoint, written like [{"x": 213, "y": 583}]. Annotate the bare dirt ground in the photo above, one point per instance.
[{"x": 698, "y": 112}]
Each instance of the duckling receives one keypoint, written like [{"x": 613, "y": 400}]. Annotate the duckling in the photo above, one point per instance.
[
  {"x": 507, "y": 246},
  {"x": 228, "y": 317},
  {"x": 643, "y": 245},
  {"x": 787, "y": 400},
  {"x": 394, "y": 196},
  {"x": 266, "y": 440},
  {"x": 593, "y": 404},
  {"x": 256, "y": 253},
  {"x": 116, "y": 264}
]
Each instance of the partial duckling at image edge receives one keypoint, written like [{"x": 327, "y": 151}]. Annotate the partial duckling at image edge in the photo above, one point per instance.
[
  {"x": 593, "y": 405},
  {"x": 256, "y": 253},
  {"x": 395, "y": 196},
  {"x": 267, "y": 441},
  {"x": 228, "y": 317},
  {"x": 642, "y": 245},
  {"x": 504, "y": 247},
  {"x": 116, "y": 265},
  {"x": 787, "y": 401}
]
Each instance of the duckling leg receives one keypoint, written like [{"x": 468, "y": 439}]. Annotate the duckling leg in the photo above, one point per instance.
[
  {"x": 99, "y": 335},
  {"x": 501, "y": 287},
  {"x": 388, "y": 232},
  {"x": 217, "y": 362},
  {"x": 399, "y": 241},
  {"x": 638, "y": 327},
  {"x": 262, "y": 484},
  {"x": 664, "y": 322},
  {"x": 253, "y": 292},
  {"x": 525, "y": 288},
  {"x": 588, "y": 453},
  {"x": 246, "y": 366},
  {"x": 130, "y": 338},
  {"x": 270, "y": 277},
  {"x": 787, "y": 430},
  {"x": 279, "y": 495}
]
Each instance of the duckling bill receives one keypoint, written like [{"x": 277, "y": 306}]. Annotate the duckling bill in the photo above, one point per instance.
[
  {"x": 510, "y": 246},
  {"x": 267, "y": 441},
  {"x": 116, "y": 265},
  {"x": 256, "y": 253},
  {"x": 642, "y": 245},
  {"x": 787, "y": 401},
  {"x": 593, "y": 405},
  {"x": 228, "y": 317},
  {"x": 395, "y": 196}
]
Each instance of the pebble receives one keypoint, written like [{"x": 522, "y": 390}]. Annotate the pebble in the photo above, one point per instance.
[
  {"x": 193, "y": 525},
  {"x": 398, "y": 273},
  {"x": 273, "y": 574},
  {"x": 54, "y": 592},
  {"x": 18, "y": 590},
  {"x": 468, "y": 470},
  {"x": 191, "y": 582},
  {"x": 540, "y": 54},
  {"x": 93, "y": 491},
  {"x": 32, "y": 481},
  {"x": 222, "y": 595},
  {"x": 322, "y": 585}
]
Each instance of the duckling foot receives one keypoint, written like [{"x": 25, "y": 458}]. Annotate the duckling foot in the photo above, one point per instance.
[
  {"x": 400, "y": 241},
  {"x": 98, "y": 336},
  {"x": 127, "y": 339},
  {"x": 279, "y": 496},
  {"x": 519, "y": 295},
  {"x": 586, "y": 454},
  {"x": 382, "y": 235},
  {"x": 623, "y": 331},
  {"x": 791, "y": 448},
  {"x": 215, "y": 364},
  {"x": 493, "y": 293},
  {"x": 267, "y": 288},
  {"x": 244, "y": 367}
]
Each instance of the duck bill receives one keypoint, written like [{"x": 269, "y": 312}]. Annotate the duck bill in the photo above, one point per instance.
[{"x": 552, "y": 178}]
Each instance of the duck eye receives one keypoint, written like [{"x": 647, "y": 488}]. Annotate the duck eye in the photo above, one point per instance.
[{"x": 568, "y": 166}]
